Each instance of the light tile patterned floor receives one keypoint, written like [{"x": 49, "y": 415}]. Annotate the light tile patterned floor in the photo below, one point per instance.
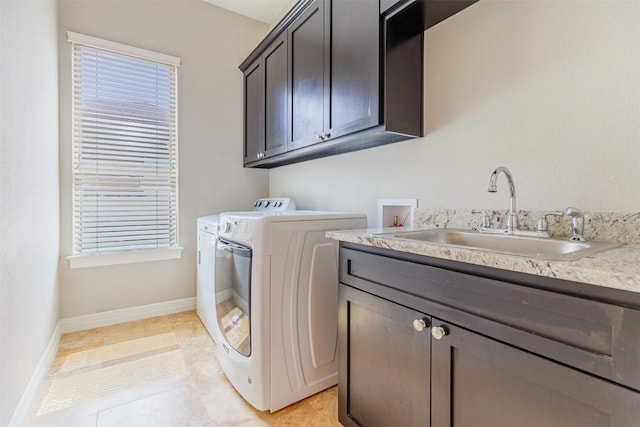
[{"x": 156, "y": 372}]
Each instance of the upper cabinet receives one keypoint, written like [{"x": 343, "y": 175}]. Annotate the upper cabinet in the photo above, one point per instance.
[
  {"x": 354, "y": 67},
  {"x": 333, "y": 69},
  {"x": 253, "y": 111},
  {"x": 336, "y": 76},
  {"x": 309, "y": 81},
  {"x": 266, "y": 103}
]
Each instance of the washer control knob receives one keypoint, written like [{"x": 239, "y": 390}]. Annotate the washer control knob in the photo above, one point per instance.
[
  {"x": 266, "y": 204},
  {"x": 226, "y": 227}
]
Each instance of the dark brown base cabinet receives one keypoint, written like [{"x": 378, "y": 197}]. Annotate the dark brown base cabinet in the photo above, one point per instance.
[{"x": 426, "y": 345}]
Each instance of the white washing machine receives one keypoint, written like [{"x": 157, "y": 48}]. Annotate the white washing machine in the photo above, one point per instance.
[
  {"x": 206, "y": 246},
  {"x": 205, "y": 301},
  {"x": 277, "y": 303}
]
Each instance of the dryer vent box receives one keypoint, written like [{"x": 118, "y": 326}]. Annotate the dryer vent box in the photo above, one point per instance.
[{"x": 396, "y": 212}]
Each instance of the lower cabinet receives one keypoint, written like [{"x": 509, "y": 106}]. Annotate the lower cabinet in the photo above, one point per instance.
[
  {"x": 478, "y": 381},
  {"x": 401, "y": 366},
  {"x": 385, "y": 367}
]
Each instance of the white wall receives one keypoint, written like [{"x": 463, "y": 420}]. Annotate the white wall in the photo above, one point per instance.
[
  {"x": 29, "y": 204},
  {"x": 211, "y": 43},
  {"x": 548, "y": 89}
]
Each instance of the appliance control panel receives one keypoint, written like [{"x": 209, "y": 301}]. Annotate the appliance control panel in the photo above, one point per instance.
[
  {"x": 272, "y": 204},
  {"x": 240, "y": 230}
]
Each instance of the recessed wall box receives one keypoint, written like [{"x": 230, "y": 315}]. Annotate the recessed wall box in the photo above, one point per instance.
[{"x": 396, "y": 212}]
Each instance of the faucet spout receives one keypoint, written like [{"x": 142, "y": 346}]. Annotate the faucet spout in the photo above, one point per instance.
[{"x": 512, "y": 222}]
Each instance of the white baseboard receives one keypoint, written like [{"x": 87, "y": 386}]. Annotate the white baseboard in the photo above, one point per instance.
[
  {"x": 113, "y": 317},
  {"x": 22, "y": 412}
]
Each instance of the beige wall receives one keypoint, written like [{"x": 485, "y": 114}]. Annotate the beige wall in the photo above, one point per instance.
[
  {"x": 211, "y": 43},
  {"x": 29, "y": 214},
  {"x": 548, "y": 89}
]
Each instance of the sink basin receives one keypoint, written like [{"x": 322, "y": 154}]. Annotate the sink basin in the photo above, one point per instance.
[{"x": 552, "y": 248}]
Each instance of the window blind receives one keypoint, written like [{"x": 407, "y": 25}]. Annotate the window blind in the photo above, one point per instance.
[{"x": 125, "y": 158}]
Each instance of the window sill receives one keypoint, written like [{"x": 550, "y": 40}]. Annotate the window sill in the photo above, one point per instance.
[{"x": 100, "y": 260}]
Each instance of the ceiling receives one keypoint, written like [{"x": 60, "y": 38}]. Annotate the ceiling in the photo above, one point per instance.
[{"x": 266, "y": 11}]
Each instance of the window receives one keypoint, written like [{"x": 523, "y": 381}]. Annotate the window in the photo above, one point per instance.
[{"x": 125, "y": 157}]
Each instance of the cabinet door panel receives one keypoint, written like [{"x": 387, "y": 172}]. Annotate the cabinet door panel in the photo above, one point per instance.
[
  {"x": 477, "y": 381},
  {"x": 306, "y": 71},
  {"x": 384, "y": 363},
  {"x": 276, "y": 99},
  {"x": 354, "y": 71},
  {"x": 253, "y": 111}
]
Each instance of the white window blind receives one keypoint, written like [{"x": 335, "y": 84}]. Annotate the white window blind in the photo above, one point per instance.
[{"x": 125, "y": 158}]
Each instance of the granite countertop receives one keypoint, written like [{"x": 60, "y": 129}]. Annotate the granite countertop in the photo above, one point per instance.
[{"x": 617, "y": 268}]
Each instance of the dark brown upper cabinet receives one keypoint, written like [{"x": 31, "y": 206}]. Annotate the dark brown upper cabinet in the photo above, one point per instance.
[
  {"x": 253, "y": 111},
  {"x": 266, "y": 103},
  {"x": 353, "y": 73},
  {"x": 333, "y": 69},
  {"x": 307, "y": 84}
]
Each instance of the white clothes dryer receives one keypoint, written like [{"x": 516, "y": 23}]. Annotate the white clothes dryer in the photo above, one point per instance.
[{"x": 277, "y": 303}]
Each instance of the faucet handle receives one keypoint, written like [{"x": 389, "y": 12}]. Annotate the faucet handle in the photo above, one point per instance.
[
  {"x": 486, "y": 219},
  {"x": 543, "y": 222}
]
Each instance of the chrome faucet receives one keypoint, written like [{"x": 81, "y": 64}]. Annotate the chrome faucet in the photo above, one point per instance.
[
  {"x": 512, "y": 223},
  {"x": 577, "y": 224}
]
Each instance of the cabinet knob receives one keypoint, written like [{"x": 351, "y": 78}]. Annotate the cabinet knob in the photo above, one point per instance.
[
  {"x": 326, "y": 135},
  {"x": 419, "y": 324},
  {"x": 438, "y": 332},
  {"x": 320, "y": 136}
]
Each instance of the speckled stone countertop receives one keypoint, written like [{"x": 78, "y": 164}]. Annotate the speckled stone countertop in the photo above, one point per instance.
[{"x": 617, "y": 268}]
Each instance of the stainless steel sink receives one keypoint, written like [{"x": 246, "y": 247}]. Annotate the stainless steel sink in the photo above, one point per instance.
[{"x": 545, "y": 248}]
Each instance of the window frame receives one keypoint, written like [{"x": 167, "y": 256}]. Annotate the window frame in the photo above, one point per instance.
[{"x": 84, "y": 260}]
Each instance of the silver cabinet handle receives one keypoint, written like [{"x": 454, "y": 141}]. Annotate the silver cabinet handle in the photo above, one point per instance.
[
  {"x": 419, "y": 324},
  {"x": 438, "y": 332}
]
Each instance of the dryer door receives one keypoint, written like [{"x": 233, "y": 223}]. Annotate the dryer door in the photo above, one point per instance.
[{"x": 233, "y": 294}]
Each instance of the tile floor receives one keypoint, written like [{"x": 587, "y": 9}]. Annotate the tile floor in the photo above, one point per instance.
[{"x": 155, "y": 372}]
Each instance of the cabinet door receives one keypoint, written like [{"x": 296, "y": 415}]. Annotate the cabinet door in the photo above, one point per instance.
[
  {"x": 253, "y": 111},
  {"x": 477, "y": 381},
  {"x": 306, "y": 76},
  {"x": 354, "y": 66},
  {"x": 384, "y": 369},
  {"x": 276, "y": 99}
]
